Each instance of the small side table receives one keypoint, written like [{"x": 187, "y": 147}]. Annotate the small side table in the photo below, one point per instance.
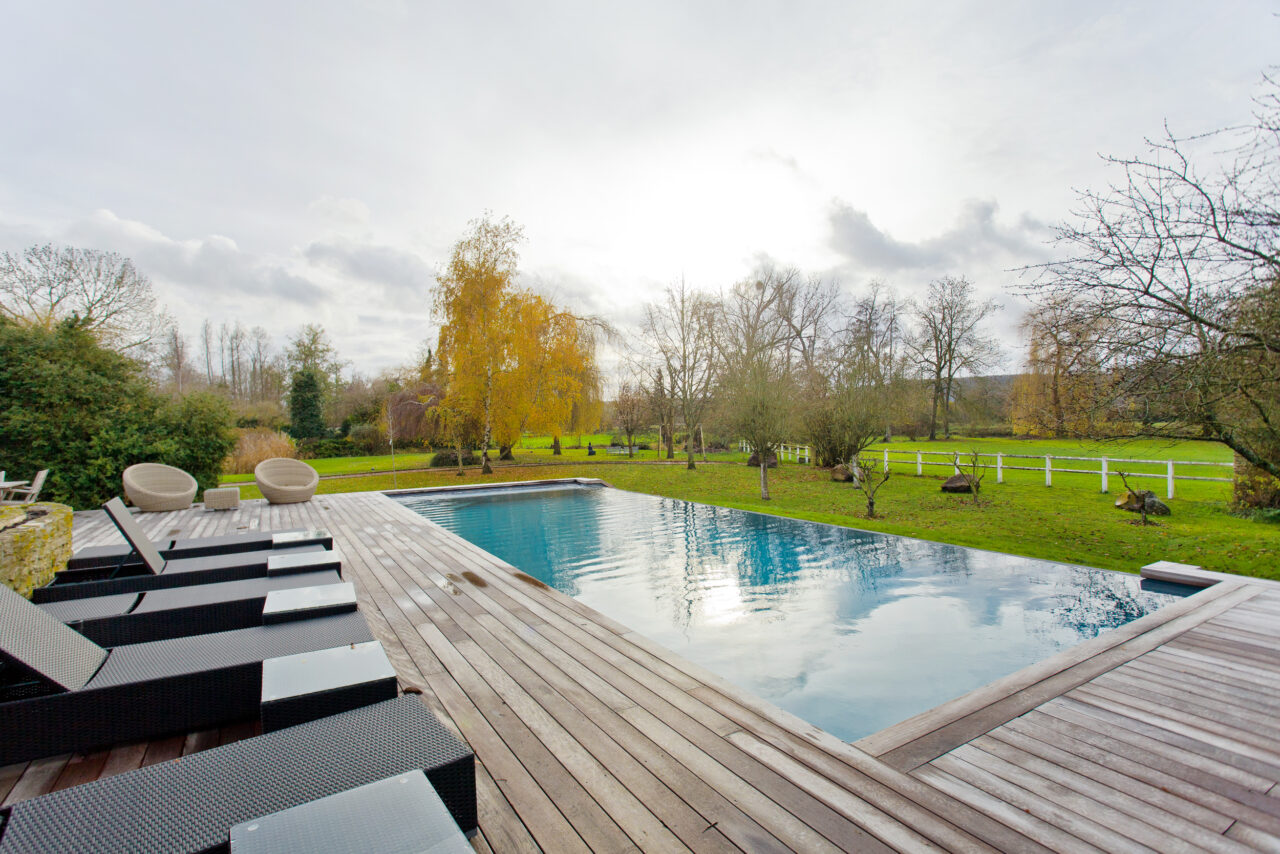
[
  {"x": 222, "y": 498},
  {"x": 398, "y": 815},
  {"x": 312, "y": 685},
  {"x": 303, "y": 603},
  {"x": 287, "y": 564}
]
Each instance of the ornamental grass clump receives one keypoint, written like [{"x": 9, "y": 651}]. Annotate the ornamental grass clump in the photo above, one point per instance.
[{"x": 257, "y": 445}]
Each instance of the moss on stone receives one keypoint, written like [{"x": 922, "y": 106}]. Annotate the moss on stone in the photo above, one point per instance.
[{"x": 35, "y": 542}]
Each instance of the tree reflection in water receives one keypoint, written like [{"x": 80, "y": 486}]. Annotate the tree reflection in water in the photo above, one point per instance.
[{"x": 852, "y": 630}]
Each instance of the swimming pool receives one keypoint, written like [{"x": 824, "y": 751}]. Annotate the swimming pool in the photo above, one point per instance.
[{"x": 850, "y": 630}]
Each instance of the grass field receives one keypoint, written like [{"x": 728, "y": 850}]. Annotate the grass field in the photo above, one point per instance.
[{"x": 1070, "y": 522}]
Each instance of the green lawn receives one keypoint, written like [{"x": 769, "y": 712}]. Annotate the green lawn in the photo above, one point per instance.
[
  {"x": 1031, "y": 471},
  {"x": 1151, "y": 449},
  {"x": 1070, "y": 522}
]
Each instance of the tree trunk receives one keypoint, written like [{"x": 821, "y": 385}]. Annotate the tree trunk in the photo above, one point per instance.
[
  {"x": 555, "y": 446},
  {"x": 764, "y": 476},
  {"x": 631, "y": 446},
  {"x": 504, "y": 453},
  {"x": 946, "y": 411},
  {"x": 688, "y": 447},
  {"x": 487, "y": 468},
  {"x": 933, "y": 412},
  {"x": 671, "y": 439},
  {"x": 871, "y": 508}
]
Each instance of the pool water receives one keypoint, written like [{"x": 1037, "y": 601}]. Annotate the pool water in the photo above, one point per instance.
[{"x": 851, "y": 630}]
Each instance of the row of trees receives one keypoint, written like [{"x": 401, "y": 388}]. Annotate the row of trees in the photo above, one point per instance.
[{"x": 782, "y": 357}]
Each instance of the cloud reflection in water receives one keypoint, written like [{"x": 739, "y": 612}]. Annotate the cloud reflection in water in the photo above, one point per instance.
[{"x": 851, "y": 630}]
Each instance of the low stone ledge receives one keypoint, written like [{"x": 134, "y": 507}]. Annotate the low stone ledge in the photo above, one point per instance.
[{"x": 35, "y": 542}]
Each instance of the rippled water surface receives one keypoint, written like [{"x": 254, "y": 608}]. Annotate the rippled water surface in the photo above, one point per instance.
[{"x": 851, "y": 630}]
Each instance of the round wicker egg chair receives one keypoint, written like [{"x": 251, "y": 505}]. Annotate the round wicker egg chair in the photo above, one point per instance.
[
  {"x": 153, "y": 487},
  {"x": 286, "y": 481}
]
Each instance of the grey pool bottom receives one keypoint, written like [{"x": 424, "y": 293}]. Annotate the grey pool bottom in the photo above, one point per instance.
[{"x": 850, "y": 630}]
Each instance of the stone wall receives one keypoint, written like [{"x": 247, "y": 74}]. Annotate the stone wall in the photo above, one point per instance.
[{"x": 35, "y": 542}]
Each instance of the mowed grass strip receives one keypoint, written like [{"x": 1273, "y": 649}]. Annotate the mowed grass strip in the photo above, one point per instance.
[{"x": 1071, "y": 522}]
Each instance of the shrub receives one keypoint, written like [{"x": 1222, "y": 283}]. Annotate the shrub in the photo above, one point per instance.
[
  {"x": 367, "y": 439},
  {"x": 987, "y": 431},
  {"x": 267, "y": 414},
  {"x": 254, "y": 446},
  {"x": 196, "y": 436},
  {"x": 449, "y": 457},
  {"x": 1254, "y": 488},
  {"x": 87, "y": 413},
  {"x": 313, "y": 449}
]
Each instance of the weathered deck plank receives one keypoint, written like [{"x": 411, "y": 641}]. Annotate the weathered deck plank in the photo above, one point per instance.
[{"x": 1159, "y": 736}]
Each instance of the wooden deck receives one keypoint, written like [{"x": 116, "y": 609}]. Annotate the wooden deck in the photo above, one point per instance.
[{"x": 1162, "y": 735}]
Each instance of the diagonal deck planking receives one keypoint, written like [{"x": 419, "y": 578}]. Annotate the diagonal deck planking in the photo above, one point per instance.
[{"x": 1158, "y": 736}]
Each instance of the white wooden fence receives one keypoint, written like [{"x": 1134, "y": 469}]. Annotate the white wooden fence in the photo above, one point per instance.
[
  {"x": 1107, "y": 465},
  {"x": 786, "y": 452}
]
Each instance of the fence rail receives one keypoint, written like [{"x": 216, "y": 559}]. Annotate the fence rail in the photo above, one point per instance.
[{"x": 800, "y": 453}]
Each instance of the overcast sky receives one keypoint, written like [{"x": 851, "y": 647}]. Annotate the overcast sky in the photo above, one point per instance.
[{"x": 285, "y": 163}]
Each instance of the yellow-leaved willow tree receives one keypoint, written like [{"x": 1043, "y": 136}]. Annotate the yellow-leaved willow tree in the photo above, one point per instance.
[{"x": 509, "y": 357}]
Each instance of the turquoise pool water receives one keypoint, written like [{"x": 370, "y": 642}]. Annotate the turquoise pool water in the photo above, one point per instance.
[{"x": 850, "y": 630}]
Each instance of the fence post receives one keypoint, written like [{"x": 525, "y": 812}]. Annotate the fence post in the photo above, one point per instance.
[
  {"x": 999, "y": 468},
  {"x": 886, "y": 459},
  {"x": 1170, "y": 478},
  {"x": 1048, "y": 470},
  {"x": 1104, "y": 475},
  {"x": 919, "y": 464}
]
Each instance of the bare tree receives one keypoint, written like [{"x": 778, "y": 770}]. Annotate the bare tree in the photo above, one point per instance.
[
  {"x": 237, "y": 350},
  {"x": 757, "y": 385},
  {"x": 869, "y": 474},
  {"x": 266, "y": 379},
  {"x": 948, "y": 342},
  {"x": 206, "y": 344},
  {"x": 1063, "y": 379},
  {"x": 174, "y": 355},
  {"x": 681, "y": 329},
  {"x": 311, "y": 348},
  {"x": 662, "y": 402},
  {"x": 1179, "y": 263},
  {"x": 974, "y": 470},
  {"x": 809, "y": 309},
  {"x": 46, "y": 284},
  {"x": 630, "y": 412},
  {"x": 872, "y": 341},
  {"x": 224, "y": 332}
]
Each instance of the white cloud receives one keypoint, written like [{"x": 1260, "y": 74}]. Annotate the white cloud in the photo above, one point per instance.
[
  {"x": 196, "y": 269},
  {"x": 287, "y": 168},
  {"x": 400, "y": 273},
  {"x": 975, "y": 237}
]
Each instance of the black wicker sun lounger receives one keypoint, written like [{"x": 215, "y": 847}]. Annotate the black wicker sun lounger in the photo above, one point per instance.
[
  {"x": 125, "y": 555},
  {"x": 60, "y": 691},
  {"x": 199, "y": 609},
  {"x": 191, "y": 804},
  {"x": 156, "y": 573}
]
